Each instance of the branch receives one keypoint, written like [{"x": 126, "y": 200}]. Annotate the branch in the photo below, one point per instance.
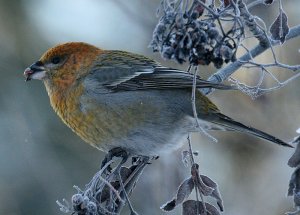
[
  {"x": 104, "y": 194},
  {"x": 224, "y": 73}
]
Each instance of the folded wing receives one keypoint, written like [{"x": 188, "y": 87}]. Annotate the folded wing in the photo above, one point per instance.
[{"x": 134, "y": 72}]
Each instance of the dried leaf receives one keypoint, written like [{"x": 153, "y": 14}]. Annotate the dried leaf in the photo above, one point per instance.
[
  {"x": 183, "y": 192},
  {"x": 279, "y": 29},
  {"x": 168, "y": 206},
  {"x": 106, "y": 190},
  {"x": 105, "y": 194},
  {"x": 294, "y": 184},
  {"x": 297, "y": 199},
  {"x": 216, "y": 193},
  {"x": 125, "y": 173},
  {"x": 268, "y": 2},
  {"x": 295, "y": 158},
  {"x": 191, "y": 207},
  {"x": 294, "y": 189},
  {"x": 205, "y": 190}
]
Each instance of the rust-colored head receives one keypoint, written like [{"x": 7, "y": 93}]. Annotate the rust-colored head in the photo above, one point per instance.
[{"x": 61, "y": 65}]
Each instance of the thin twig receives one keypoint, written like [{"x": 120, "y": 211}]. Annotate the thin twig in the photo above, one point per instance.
[
  {"x": 227, "y": 71},
  {"x": 198, "y": 125},
  {"x": 126, "y": 195}
]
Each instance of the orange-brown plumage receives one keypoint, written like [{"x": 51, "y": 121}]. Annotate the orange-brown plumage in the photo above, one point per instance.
[
  {"x": 80, "y": 57},
  {"x": 63, "y": 87},
  {"x": 120, "y": 99}
]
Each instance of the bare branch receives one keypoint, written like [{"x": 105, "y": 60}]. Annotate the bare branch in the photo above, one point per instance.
[{"x": 224, "y": 73}]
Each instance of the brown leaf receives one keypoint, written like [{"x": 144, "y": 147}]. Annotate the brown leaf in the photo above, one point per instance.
[
  {"x": 205, "y": 190},
  {"x": 106, "y": 191},
  {"x": 279, "y": 29},
  {"x": 295, "y": 158},
  {"x": 168, "y": 206},
  {"x": 216, "y": 193},
  {"x": 191, "y": 207},
  {"x": 183, "y": 192},
  {"x": 294, "y": 184},
  {"x": 125, "y": 173}
]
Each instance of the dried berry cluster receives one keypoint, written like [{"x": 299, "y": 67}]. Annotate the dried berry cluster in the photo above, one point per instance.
[
  {"x": 83, "y": 205},
  {"x": 191, "y": 36},
  {"x": 104, "y": 194}
]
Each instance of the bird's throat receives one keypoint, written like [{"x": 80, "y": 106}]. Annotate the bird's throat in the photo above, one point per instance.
[{"x": 65, "y": 103}]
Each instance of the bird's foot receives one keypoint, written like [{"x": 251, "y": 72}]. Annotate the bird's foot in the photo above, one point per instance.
[{"x": 115, "y": 152}]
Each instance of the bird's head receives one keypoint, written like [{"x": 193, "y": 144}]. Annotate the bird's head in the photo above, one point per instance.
[{"x": 61, "y": 65}]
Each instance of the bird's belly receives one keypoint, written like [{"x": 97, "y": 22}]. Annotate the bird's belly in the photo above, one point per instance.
[
  {"x": 150, "y": 142},
  {"x": 146, "y": 125},
  {"x": 148, "y": 136}
]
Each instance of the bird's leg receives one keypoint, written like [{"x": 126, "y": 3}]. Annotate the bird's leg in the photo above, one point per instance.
[{"x": 115, "y": 152}]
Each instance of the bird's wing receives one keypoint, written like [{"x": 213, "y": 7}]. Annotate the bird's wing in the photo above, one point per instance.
[{"x": 123, "y": 71}]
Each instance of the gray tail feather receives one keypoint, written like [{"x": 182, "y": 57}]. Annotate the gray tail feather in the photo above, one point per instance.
[{"x": 237, "y": 126}]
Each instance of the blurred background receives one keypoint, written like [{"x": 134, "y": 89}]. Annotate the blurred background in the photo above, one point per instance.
[{"x": 41, "y": 159}]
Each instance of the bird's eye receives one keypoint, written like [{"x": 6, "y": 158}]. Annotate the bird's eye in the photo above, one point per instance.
[{"x": 55, "y": 60}]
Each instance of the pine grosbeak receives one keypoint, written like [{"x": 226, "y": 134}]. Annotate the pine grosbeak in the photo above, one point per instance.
[{"x": 119, "y": 99}]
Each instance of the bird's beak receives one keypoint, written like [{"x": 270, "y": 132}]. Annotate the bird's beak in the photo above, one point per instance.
[{"x": 35, "y": 71}]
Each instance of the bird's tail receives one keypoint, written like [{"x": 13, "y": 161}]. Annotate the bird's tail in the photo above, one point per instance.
[{"x": 231, "y": 124}]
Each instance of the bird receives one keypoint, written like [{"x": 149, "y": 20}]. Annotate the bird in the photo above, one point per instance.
[{"x": 116, "y": 99}]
